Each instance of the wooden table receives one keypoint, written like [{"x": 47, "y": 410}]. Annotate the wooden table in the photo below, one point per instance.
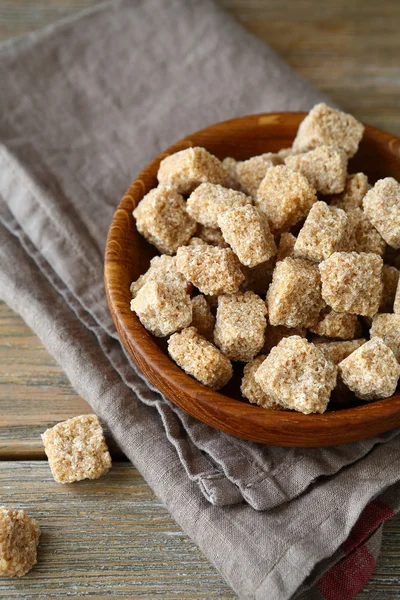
[{"x": 350, "y": 50}]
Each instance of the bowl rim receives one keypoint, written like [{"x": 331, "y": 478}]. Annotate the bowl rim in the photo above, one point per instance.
[{"x": 209, "y": 406}]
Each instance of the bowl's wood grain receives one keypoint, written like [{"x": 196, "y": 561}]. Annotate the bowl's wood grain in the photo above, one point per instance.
[{"x": 128, "y": 255}]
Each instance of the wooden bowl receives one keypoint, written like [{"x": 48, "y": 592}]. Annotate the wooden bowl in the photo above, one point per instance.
[{"x": 128, "y": 256}]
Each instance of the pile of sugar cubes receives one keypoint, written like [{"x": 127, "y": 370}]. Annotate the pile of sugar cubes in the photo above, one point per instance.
[{"x": 284, "y": 262}]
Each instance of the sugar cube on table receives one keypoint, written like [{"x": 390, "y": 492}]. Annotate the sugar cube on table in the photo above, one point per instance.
[
  {"x": 240, "y": 325},
  {"x": 162, "y": 309},
  {"x": 185, "y": 170},
  {"x": 285, "y": 196},
  {"x": 208, "y": 201},
  {"x": 325, "y": 168},
  {"x": 200, "y": 358},
  {"x": 371, "y": 371},
  {"x": 246, "y": 230},
  {"x": 294, "y": 296},
  {"x": 76, "y": 449},
  {"x": 297, "y": 376},
  {"x": 19, "y": 538},
  {"x": 162, "y": 218},
  {"x": 382, "y": 207},
  {"x": 212, "y": 270},
  {"x": 327, "y": 126},
  {"x": 352, "y": 282}
]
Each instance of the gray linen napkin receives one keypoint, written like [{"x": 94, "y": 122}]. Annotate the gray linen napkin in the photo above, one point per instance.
[{"x": 85, "y": 105}]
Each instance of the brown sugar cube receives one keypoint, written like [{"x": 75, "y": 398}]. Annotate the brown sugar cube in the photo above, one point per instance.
[
  {"x": 371, "y": 371},
  {"x": 19, "y": 538},
  {"x": 285, "y": 196},
  {"x": 203, "y": 319},
  {"x": 337, "y": 325},
  {"x": 325, "y": 168},
  {"x": 323, "y": 233},
  {"x": 335, "y": 352},
  {"x": 352, "y": 282},
  {"x": 286, "y": 246},
  {"x": 251, "y": 172},
  {"x": 209, "y": 200},
  {"x": 187, "y": 169},
  {"x": 240, "y": 325},
  {"x": 252, "y": 390},
  {"x": 326, "y": 126},
  {"x": 354, "y": 191},
  {"x": 196, "y": 241},
  {"x": 294, "y": 296},
  {"x": 257, "y": 279},
  {"x": 162, "y": 309},
  {"x": 382, "y": 207},
  {"x": 396, "y": 304},
  {"x": 362, "y": 235},
  {"x": 76, "y": 449},
  {"x": 162, "y": 219},
  {"x": 212, "y": 236},
  {"x": 199, "y": 358},
  {"x": 246, "y": 230},
  {"x": 212, "y": 270},
  {"x": 390, "y": 280},
  {"x": 296, "y": 375},
  {"x": 162, "y": 269},
  {"x": 387, "y": 327},
  {"x": 229, "y": 165},
  {"x": 273, "y": 335},
  {"x": 285, "y": 152}
]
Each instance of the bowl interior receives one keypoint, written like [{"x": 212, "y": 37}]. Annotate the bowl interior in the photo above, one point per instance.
[{"x": 128, "y": 256}]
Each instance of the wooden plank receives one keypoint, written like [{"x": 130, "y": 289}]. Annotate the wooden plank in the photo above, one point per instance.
[
  {"x": 35, "y": 393},
  {"x": 103, "y": 535}
]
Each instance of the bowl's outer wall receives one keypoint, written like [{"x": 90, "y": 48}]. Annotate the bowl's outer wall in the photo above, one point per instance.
[{"x": 128, "y": 256}]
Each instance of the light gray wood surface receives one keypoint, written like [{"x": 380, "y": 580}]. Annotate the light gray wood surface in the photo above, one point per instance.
[{"x": 350, "y": 50}]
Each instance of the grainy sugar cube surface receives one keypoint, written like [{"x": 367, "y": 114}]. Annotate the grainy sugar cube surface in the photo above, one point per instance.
[
  {"x": 323, "y": 233},
  {"x": 251, "y": 172},
  {"x": 294, "y": 296},
  {"x": 333, "y": 324},
  {"x": 252, "y": 390},
  {"x": 199, "y": 358},
  {"x": 246, "y": 230},
  {"x": 212, "y": 236},
  {"x": 203, "y": 319},
  {"x": 274, "y": 334},
  {"x": 285, "y": 196},
  {"x": 209, "y": 200},
  {"x": 161, "y": 218},
  {"x": 230, "y": 165},
  {"x": 162, "y": 269},
  {"x": 382, "y": 207},
  {"x": 362, "y": 235},
  {"x": 325, "y": 168},
  {"x": 19, "y": 538},
  {"x": 352, "y": 282},
  {"x": 336, "y": 351},
  {"x": 76, "y": 449},
  {"x": 240, "y": 325},
  {"x": 326, "y": 126},
  {"x": 196, "y": 241},
  {"x": 258, "y": 278},
  {"x": 187, "y": 169},
  {"x": 371, "y": 371},
  {"x": 354, "y": 191},
  {"x": 286, "y": 246},
  {"x": 387, "y": 327},
  {"x": 212, "y": 270},
  {"x": 285, "y": 152},
  {"x": 162, "y": 309},
  {"x": 390, "y": 280},
  {"x": 297, "y": 375},
  {"x": 396, "y": 305}
]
